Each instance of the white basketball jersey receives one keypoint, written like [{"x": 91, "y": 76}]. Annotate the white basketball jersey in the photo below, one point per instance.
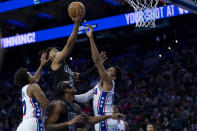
[
  {"x": 31, "y": 108},
  {"x": 121, "y": 126},
  {"x": 103, "y": 105}
]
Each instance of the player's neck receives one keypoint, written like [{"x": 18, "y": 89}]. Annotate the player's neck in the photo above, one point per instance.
[{"x": 69, "y": 98}]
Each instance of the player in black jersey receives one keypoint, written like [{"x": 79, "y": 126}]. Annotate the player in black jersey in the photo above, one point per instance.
[
  {"x": 60, "y": 69},
  {"x": 65, "y": 110}
]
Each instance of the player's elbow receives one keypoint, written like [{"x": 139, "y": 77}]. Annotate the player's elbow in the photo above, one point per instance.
[
  {"x": 81, "y": 98},
  {"x": 84, "y": 100}
]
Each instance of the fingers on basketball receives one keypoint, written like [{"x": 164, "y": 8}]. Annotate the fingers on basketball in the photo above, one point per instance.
[{"x": 76, "y": 10}]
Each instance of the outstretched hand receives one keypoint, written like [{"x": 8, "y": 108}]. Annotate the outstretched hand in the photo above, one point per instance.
[
  {"x": 43, "y": 59},
  {"x": 77, "y": 119},
  {"x": 117, "y": 116},
  {"x": 89, "y": 31},
  {"x": 102, "y": 57},
  {"x": 79, "y": 16}
]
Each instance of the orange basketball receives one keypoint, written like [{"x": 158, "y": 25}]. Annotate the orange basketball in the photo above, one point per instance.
[{"x": 74, "y": 7}]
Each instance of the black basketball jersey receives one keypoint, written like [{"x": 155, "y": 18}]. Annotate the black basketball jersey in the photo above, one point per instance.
[
  {"x": 71, "y": 111},
  {"x": 64, "y": 73}
]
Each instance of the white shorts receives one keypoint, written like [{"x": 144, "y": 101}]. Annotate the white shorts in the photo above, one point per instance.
[
  {"x": 107, "y": 125},
  {"x": 31, "y": 124}
]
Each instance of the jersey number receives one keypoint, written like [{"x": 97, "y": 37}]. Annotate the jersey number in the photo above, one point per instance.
[{"x": 24, "y": 108}]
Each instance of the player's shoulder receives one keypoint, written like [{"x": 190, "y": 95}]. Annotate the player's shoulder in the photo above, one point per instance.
[
  {"x": 35, "y": 85},
  {"x": 33, "y": 88},
  {"x": 59, "y": 105}
]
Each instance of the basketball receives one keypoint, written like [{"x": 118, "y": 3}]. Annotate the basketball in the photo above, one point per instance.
[{"x": 74, "y": 7}]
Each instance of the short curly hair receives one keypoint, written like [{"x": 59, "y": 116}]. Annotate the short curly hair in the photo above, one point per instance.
[{"x": 21, "y": 78}]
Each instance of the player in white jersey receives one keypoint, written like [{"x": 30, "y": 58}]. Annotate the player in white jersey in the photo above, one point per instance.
[
  {"x": 103, "y": 92},
  {"x": 122, "y": 125},
  {"x": 33, "y": 98}
]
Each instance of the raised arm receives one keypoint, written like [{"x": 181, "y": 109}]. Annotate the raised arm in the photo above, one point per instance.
[
  {"x": 71, "y": 40},
  {"x": 34, "y": 91},
  {"x": 43, "y": 62},
  {"x": 52, "y": 125},
  {"x": 94, "y": 50},
  {"x": 82, "y": 98},
  {"x": 98, "y": 60}
]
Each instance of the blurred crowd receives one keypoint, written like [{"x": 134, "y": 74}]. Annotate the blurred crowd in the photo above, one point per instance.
[{"x": 155, "y": 88}]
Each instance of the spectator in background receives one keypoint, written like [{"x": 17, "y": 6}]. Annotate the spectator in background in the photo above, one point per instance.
[
  {"x": 165, "y": 124},
  {"x": 150, "y": 127}
]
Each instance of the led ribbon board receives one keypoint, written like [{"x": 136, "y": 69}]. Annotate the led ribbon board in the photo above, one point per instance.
[
  {"x": 99, "y": 24},
  {"x": 16, "y": 4}
]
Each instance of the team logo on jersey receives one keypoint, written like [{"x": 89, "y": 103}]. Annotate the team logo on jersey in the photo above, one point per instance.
[
  {"x": 95, "y": 91},
  {"x": 71, "y": 74}
]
